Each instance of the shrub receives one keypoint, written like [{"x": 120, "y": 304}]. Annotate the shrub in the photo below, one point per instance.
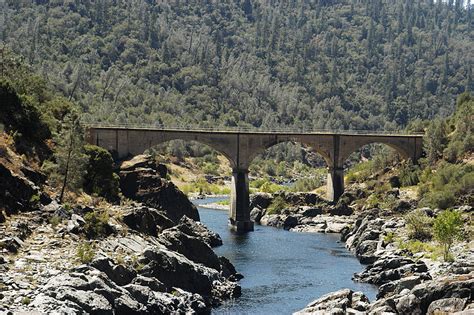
[
  {"x": 277, "y": 206},
  {"x": 449, "y": 184},
  {"x": 96, "y": 223},
  {"x": 417, "y": 246},
  {"x": 307, "y": 184},
  {"x": 448, "y": 229},
  {"x": 409, "y": 174},
  {"x": 85, "y": 253},
  {"x": 269, "y": 187},
  {"x": 418, "y": 225},
  {"x": 389, "y": 237}
]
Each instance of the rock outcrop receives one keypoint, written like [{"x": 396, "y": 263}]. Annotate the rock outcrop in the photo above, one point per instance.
[
  {"x": 340, "y": 302},
  {"x": 144, "y": 180}
]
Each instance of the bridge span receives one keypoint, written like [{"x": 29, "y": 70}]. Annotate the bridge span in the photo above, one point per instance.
[{"x": 242, "y": 146}]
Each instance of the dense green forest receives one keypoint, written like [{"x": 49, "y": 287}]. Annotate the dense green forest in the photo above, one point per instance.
[{"x": 341, "y": 64}]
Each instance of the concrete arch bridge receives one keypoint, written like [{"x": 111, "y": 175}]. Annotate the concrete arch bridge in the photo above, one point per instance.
[{"x": 241, "y": 146}]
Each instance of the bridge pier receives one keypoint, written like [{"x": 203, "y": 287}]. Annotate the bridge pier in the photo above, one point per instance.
[
  {"x": 239, "y": 219},
  {"x": 335, "y": 183}
]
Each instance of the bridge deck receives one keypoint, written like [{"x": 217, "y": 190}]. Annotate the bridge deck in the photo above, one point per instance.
[{"x": 251, "y": 131}]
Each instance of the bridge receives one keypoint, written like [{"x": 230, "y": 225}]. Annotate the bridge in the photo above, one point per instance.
[{"x": 241, "y": 146}]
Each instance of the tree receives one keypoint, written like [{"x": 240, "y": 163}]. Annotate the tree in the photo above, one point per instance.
[
  {"x": 69, "y": 156},
  {"x": 99, "y": 177},
  {"x": 448, "y": 229},
  {"x": 435, "y": 140}
]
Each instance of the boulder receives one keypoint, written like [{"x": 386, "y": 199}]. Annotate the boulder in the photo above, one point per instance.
[
  {"x": 16, "y": 191},
  {"x": 446, "y": 306},
  {"x": 199, "y": 230},
  {"x": 119, "y": 274},
  {"x": 310, "y": 212},
  {"x": 141, "y": 180},
  {"x": 175, "y": 270},
  {"x": 365, "y": 252},
  {"x": 75, "y": 224},
  {"x": 290, "y": 222},
  {"x": 260, "y": 200},
  {"x": 191, "y": 247},
  {"x": 256, "y": 214},
  {"x": 146, "y": 220},
  {"x": 341, "y": 208},
  {"x": 430, "y": 291},
  {"x": 339, "y": 302}
]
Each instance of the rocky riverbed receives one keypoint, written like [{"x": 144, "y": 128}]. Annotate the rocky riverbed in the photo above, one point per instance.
[
  {"x": 408, "y": 283},
  {"x": 147, "y": 257}
]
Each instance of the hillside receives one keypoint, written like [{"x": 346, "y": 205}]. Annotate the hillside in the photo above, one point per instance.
[{"x": 341, "y": 64}]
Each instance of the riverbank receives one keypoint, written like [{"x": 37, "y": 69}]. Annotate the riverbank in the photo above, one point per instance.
[
  {"x": 408, "y": 282},
  {"x": 147, "y": 257}
]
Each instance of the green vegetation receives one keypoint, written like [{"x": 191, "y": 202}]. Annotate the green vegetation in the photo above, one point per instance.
[
  {"x": 201, "y": 186},
  {"x": 96, "y": 223},
  {"x": 100, "y": 178},
  {"x": 277, "y": 206},
  {"x": 416, "y": 246},
  {"x": 409, "y": 174},
  {"x": 447, "y": 181},
  {"x": 448, "y": 185},
  {"x": 319, "y": 64},
  {"x": 85, "y": 252},
  {"x": 419, "y": 225},
  {"x": 389, "y": 237},
  {"x": 447, "y": 229},
  {"x": 25, "y": 300},
  {"x": 67, "y": 169}
]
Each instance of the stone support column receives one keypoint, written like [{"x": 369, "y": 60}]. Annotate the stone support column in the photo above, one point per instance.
[{"x": 239, "y": 206}]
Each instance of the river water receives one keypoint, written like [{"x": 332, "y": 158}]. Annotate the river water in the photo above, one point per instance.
[{"x": 284, "y": 271}]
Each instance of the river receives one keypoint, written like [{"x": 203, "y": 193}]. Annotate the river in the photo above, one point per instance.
[{"x": 284, "y": 271}]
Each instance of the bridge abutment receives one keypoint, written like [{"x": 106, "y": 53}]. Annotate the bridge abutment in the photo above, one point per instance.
[{"x": 239, "y": 219}]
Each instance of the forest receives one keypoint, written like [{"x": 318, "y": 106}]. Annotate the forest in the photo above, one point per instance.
[{"x": 319, "y": 64}]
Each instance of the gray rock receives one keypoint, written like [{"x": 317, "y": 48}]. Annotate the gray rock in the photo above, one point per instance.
[
  {"x": 119, "y": 274},
  {"x": 290, "y": 222},
  {"x": 256, "y": 214},
  {"x": 191, "y": 247},
  {"x": 446, "y": 306},
  {"x": 141, "y": 180},
  {"x": 146, "y": 220},
  {"x": 341, "y": 208},
  {"x": 365, "y": 252},
  {"x": 199, "y": 230},
  {"x": 408, "y": 304},
  {"x": 311, "y": 211},
  {"x": 339, "y": 302},
  {"x": 260, "y": 200}
]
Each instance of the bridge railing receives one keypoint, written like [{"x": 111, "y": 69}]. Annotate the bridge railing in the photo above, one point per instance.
[{"x": 300, "y": 130}]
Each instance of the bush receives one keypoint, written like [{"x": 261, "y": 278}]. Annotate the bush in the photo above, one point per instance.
[
  {"x": 277, "y": 206},
  {"x": 85, "y": 253},
  {"x": 96, "y": 223},
  {"x": 419, "y": 225},
  {"x": 307, "y": 184},
  {"x": 448, "y": 229},
  {"x": 450, "y": 184},
  {"x": 409, "y": 174},
  {"x": 100, "y": 178}
]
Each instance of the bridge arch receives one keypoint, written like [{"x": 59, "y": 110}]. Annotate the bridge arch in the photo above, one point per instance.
[
  {"x": 349, "y": 147},
  {"x": 325, "y": 155}
]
